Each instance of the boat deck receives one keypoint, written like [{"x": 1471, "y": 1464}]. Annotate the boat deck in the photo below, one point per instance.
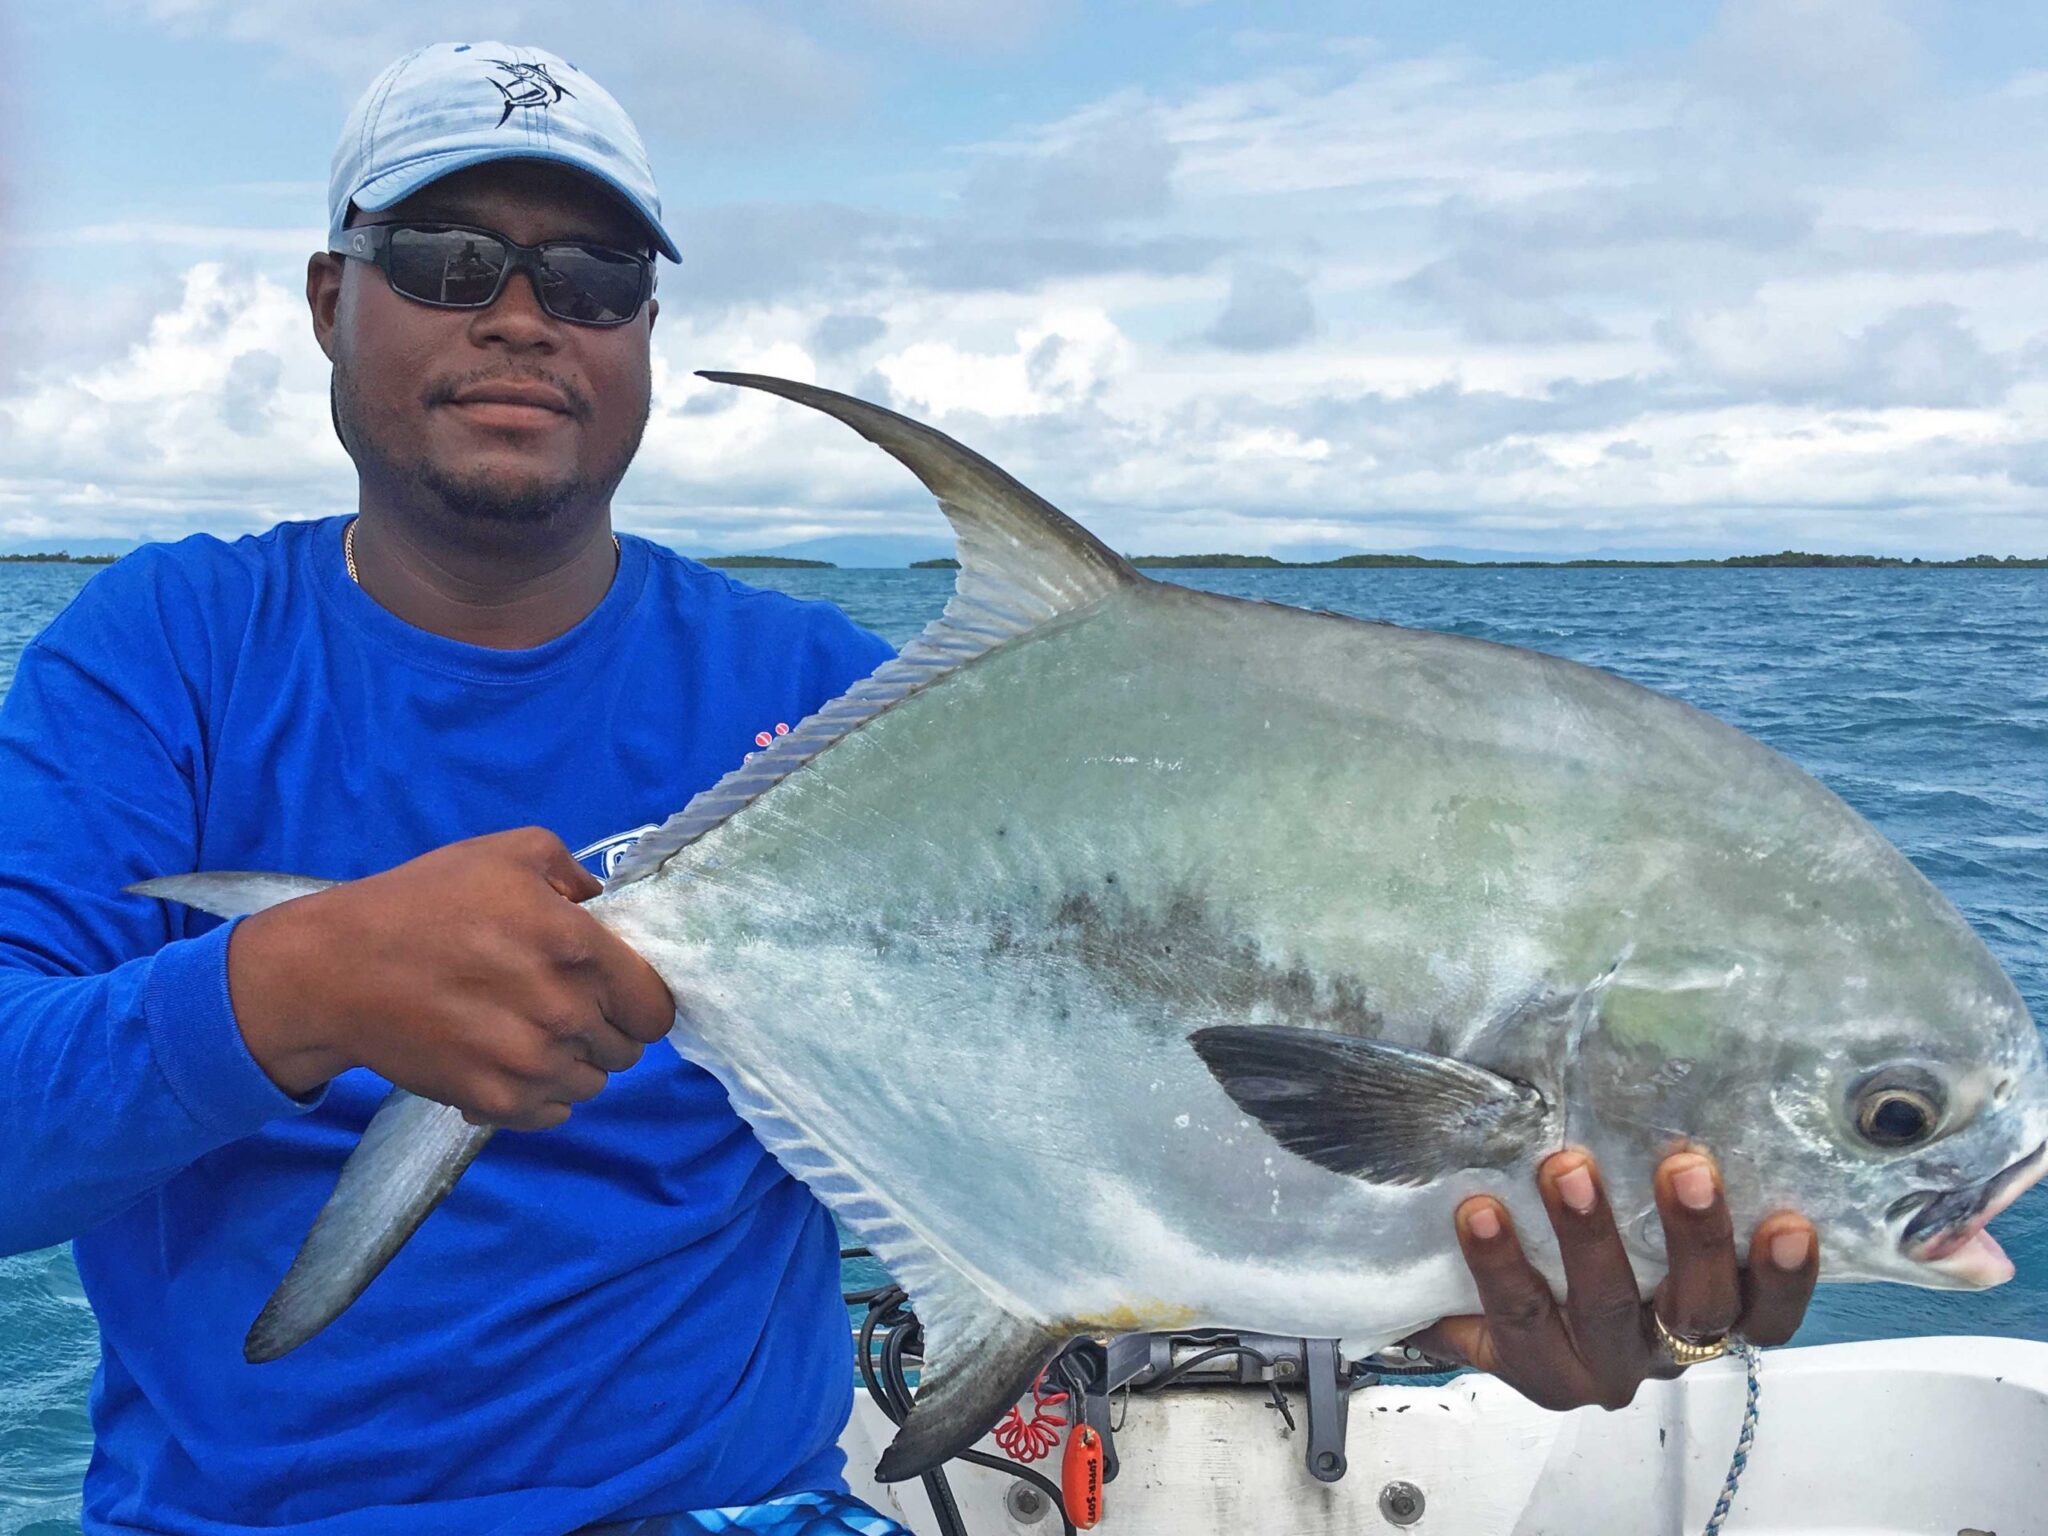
[{"x": 1919, "y": 1437}]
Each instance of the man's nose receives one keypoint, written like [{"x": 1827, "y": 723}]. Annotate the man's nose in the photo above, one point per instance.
[{"x": 515, "y": 318}]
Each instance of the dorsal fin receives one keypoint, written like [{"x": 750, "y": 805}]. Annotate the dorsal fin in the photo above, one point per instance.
[
  {"x": 1022, "y": 563},
  {"x": 1019, "y": 553}
]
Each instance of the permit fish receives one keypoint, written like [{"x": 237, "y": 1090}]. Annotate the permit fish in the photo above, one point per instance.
[{"x": 1124, "y": 957}]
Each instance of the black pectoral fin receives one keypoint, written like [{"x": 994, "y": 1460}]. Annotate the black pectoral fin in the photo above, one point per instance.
[{"x": 1379, "y": 1112}]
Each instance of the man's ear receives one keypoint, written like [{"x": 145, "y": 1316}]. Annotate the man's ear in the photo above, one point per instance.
[
  {"x": 323, "y": 296},
  {"x": 653, "y": 312}
]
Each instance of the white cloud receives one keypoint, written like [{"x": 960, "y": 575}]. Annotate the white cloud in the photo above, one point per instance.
[
  {"x": 1772, "y": 292},
  {"x": 216, "y": 417},
  {"x": 1066, "y": 359},
  {"x": 1269, "y": 308},
  {"x": 1833, "y": 72},
  {"x": 1110, "y": 164},
  {"x": 745, "y": 254},
  {"x": 698, "y": 70},
  {"x": 208, "y": 239},
  {"x": 1924, "y": 355},
  {"x": 839, "y": 333}
]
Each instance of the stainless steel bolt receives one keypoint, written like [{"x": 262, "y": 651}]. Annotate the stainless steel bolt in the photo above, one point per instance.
[
  {"x": 1027, "y": 1505},
  {"x": 1401, "y": 1503}
]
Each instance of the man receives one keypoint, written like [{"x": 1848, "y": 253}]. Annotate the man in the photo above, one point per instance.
[{"x": 633, "y": 1315}]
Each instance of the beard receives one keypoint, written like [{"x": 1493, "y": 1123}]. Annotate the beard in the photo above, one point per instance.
[
  {"x": 480, "y": 496},
  {"x": 499, "y": 498}
]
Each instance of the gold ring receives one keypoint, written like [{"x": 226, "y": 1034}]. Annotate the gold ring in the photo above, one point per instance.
[{"x": 1689, "y": 1351}]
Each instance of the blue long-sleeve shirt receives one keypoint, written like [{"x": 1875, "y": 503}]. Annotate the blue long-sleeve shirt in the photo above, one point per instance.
[{"x": 632, "y": 1314}]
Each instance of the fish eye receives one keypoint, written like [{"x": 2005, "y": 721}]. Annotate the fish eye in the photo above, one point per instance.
[{"x": 1899, "y": 1108}]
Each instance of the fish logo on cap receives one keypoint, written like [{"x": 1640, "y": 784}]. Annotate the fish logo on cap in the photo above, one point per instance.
[{"x": 531, "y": 86}]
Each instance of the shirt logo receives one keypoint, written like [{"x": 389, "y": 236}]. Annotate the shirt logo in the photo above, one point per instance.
[
  {"x": 603, "y": 857},
  {"x": 527, "y": 85},
  {"x": 766, "y": 739}
]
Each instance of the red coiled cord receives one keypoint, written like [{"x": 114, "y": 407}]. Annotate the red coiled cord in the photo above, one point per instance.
[{"x": 1033, "y": 1441}]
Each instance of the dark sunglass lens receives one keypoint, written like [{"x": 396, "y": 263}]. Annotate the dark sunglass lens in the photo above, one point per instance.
[
  {"x": 445, "y": 266},
  {"x": 591, "y": 286}
]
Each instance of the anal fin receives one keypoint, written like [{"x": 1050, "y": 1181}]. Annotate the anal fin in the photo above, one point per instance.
[
  {"x": 988, "y": 1364},
  {"x": 1382, "y": 1113},
  {"x": 980, "y": 1355}
]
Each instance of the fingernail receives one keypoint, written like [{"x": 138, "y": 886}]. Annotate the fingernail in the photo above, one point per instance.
[
  {"x": 1575, "y": 1189},
  {"x": 1694, "y": 1187},
  {"x": 1483, "y": 1223},
  {"x": 1789, "y": 1250}
]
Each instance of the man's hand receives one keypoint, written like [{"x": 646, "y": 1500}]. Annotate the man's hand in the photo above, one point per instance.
[
  {"x": 469, "y": 976},
  {"x": 1602, "y": 1343}
]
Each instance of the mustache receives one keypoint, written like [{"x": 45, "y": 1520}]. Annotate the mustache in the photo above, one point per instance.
[{"x": 444, "y": 391}]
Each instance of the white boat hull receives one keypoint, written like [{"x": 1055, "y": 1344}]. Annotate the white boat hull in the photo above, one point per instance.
[{"x": 1918, "y": 1437}]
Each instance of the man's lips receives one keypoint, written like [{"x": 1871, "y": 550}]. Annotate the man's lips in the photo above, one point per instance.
[
  {"x": 1947, "y": 1232},
  {"x": 507, "y": 402}
]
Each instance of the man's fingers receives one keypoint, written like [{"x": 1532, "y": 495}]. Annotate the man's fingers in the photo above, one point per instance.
[
  {"x": 545, "y": 1118},
  {"x": 1784, "y": 1263},
  {"x": 1525, "y": 1332},
  {"x": 1459, "y": 1340},
  {"x": 557, "y": 865},
  {"x": 611, "y": 1049},
  {"x": 578, "y": 1081},
  {"x": 1602, "y": 1300},
  {"x": 634, "y": 997},
  {"x": 1701, "y": 1296}
]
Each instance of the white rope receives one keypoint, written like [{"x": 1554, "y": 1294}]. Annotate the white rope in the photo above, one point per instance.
[{"x": 1743, "y": 1442}]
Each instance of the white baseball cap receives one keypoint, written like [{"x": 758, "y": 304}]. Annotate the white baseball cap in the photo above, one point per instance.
[{"x": 452, "y": 105}]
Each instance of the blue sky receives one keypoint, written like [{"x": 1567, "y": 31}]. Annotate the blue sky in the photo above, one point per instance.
[{"x": 1715, "y": 277}]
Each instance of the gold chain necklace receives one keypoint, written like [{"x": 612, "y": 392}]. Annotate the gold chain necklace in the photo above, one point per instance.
[{"x": 348, "y": 549}]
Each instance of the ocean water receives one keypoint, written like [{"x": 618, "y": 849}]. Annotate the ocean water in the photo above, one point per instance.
[{"x": 1921, "y": 697}]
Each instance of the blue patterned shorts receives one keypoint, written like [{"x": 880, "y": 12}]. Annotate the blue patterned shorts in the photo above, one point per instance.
[{"x": 798, "y": 1514}]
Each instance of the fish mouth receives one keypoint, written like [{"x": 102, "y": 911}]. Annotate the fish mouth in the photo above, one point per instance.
[{"x": 1946, "y": 1232}]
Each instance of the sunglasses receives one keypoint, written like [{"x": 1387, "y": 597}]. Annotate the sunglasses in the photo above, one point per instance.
[{"x": 453, "y": 266}]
